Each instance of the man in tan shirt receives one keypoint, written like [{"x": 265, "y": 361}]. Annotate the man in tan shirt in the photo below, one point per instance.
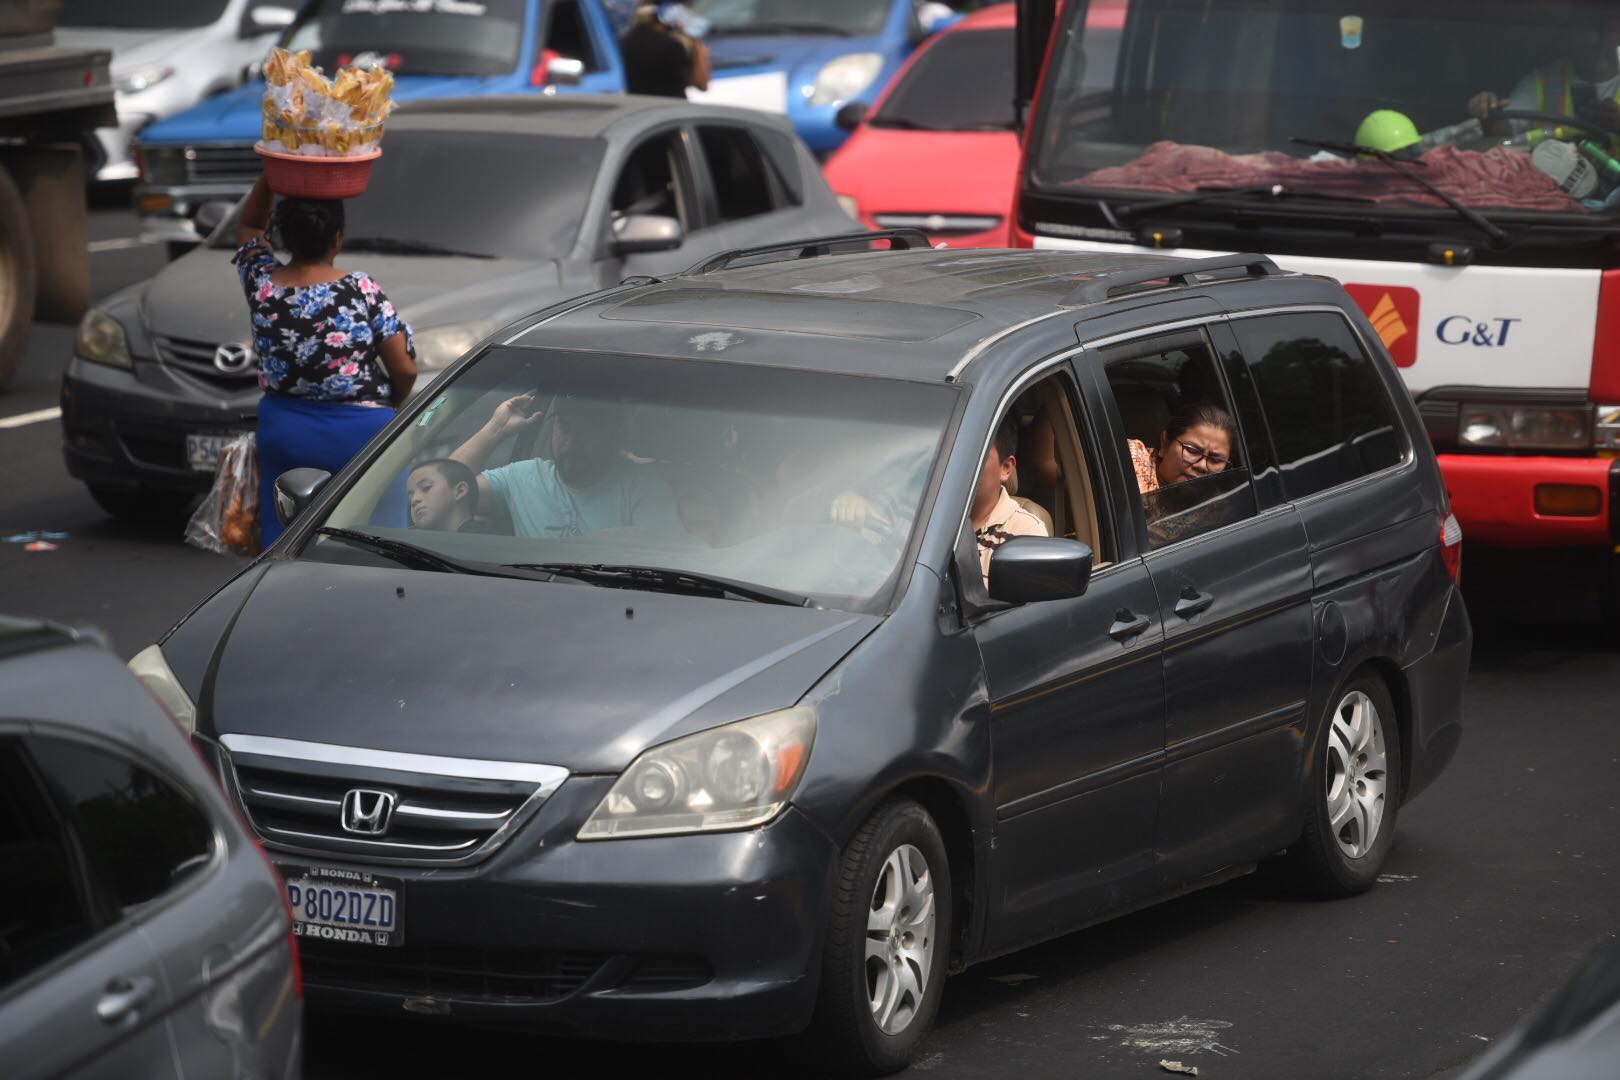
[{"x": 996, "y": 517}]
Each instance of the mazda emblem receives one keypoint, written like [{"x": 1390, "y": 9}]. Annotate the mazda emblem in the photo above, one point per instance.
[
  {"x": 233, "y": 358},
  {"x": 367, "y": 812}
]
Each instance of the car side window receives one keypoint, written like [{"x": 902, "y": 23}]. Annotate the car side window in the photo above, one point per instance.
[
  {"x": 1183, "y": 443},
  {"x": 1050, "y": 486},
  {"x": 649, "y": 182},
  {"x": 568, "y": 35},
  {"x": 741, "y": 173},
  {"x": 140, "y": 834},
  {"x": 46, "y": 908},
  {"x": 1329, "y": 411}
]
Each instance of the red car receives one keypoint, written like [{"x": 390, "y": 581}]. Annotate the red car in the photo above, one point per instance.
[{"x": 939, "y": 150}]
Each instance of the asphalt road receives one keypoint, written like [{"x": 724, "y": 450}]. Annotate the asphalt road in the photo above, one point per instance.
[{"x": 1503, "y": 877}]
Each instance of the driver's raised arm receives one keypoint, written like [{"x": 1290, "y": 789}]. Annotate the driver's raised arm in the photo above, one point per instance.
[{"x": 513, "y": 414}]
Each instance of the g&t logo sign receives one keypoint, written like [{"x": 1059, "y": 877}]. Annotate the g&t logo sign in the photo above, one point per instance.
[
  {"x": 1393, "y": 311},
  {"x": 1464, "y": 330}
]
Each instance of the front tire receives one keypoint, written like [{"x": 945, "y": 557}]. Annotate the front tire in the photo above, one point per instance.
[
  {"x": 1353, "y": 786},
  {"x": 888, "y": 943}
]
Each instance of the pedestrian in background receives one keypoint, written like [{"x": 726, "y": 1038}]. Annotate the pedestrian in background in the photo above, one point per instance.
[
  {"x": 334, "y": 356},
  {"x": 664, "y": 51}
]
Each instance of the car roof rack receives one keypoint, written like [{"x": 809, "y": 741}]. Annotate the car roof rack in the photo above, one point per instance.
[
  {"x": 1183, "y": 273},
  {"x": 899, "y": 240}
]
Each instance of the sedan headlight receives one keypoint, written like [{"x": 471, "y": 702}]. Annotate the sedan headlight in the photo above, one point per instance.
[
  {"x": 1520, "y": 427},
  {"x": 149, "y": 666},
  {"x": 845, "y": 77},
  {"x": 850, "y": 205},
  {"x": 731, "y": 777},
  {"x": 444, "y": 345},
  {"x": 145, "y": 78},
  {"x": 101, "y": 340}
]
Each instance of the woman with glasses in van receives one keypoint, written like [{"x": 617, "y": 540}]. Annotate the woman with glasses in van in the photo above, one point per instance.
[{"x": 1197, "y": 441}]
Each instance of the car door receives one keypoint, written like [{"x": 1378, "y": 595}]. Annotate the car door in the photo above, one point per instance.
[
  {"x": 1230, "y": 567},
  {"x": 1076, "y": 702},
  {"x": 81, "y": 988},
  {"x": 653, "y": 177}
]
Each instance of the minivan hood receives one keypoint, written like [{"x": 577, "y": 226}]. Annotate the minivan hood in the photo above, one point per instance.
[
  {"x": 498, "y": 669},
  {"x": 199, "y": 297}
]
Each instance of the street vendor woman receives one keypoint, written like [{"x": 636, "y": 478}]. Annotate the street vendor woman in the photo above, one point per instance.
[{"x": 334, "y": 356}]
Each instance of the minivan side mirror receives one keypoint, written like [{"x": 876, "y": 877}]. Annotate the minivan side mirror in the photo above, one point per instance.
[
  {"x": 1029, "y": 569},
  {"x": 646, "y": 232},
  {"x": 296, "y": 489},
  {"x": 850, "y": 116},
  {"x": 265, "y": 19}
]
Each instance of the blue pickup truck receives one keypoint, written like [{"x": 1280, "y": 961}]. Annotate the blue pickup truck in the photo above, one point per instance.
[{"x": 435, "y": 48}]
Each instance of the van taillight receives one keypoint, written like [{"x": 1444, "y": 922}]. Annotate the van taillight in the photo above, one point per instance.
[
  {"x": 1451, "y": 546},
  {"x": 1606, "y": 342}
]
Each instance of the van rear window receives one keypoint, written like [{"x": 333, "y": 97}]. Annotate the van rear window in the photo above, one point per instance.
[{"x": 1330, "y": 414}]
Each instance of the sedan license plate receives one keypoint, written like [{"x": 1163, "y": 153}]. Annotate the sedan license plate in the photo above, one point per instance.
[
  {"x": 344, "y": 905},
  {"x": 202, "y": 451}
]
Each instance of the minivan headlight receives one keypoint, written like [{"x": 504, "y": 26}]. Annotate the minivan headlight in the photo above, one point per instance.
[
  {"x": 101, "y": 340},
  {"x": 844, "y": 77},
  {"x": 153, "y": 670},
  {"x": 730, "y": 777},
  {"x": 1525, "y": 427}
]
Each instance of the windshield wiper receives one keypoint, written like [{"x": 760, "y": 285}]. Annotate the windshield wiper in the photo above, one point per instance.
[
  {"x": 779, "y": 28},
  {"x": 420, "y": 558},
  {"x": 1117, "y": 216},
  {"x": 668, "y": 580},
  {"x": 388, "y": 245},
  {"x": 1484, "y": 224}
]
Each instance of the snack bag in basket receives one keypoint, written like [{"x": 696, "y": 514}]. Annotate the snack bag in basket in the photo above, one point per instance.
[{"x": 228, "y": 519}]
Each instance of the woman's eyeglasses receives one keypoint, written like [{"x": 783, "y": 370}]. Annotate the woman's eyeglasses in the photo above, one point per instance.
[{"x": 1192, "y": 454}]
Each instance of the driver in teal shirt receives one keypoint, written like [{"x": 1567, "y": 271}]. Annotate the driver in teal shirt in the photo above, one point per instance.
[{"x": 586, "y": 486}]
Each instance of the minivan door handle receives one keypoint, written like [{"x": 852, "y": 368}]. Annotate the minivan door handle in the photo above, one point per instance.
[
  {"x": 1127, "y": 626},
  {"x": 1191, "y": 602},
  {"x": 122, "y": 997}
]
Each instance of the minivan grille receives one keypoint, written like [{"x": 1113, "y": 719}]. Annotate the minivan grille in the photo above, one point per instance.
[
  {"x": 504, "y": 974},
  {"x": 232, "y": 161},
  {"x": 196, "y": 359},
  {"x": 441, "y": 810}
]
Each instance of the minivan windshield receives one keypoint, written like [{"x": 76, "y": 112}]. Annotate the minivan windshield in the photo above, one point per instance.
[
  {"x": 470, "y": 193},
  {"x": 597, "y": 467},
  {"x": 422, "y": 37},
  {"x": 1186, "y": 96}
]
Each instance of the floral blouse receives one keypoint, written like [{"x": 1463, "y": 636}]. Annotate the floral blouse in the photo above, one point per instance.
[{"x": 318, "y": 342}]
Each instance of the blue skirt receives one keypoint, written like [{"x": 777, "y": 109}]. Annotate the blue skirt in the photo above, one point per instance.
[{"x": 298, "y": 434}]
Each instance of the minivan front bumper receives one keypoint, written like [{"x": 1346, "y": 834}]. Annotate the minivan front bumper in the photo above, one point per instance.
[{"x": 705, "y": 937}]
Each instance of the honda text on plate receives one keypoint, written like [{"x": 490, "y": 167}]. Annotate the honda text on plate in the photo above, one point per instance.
[{"x": 716, "y": 684}]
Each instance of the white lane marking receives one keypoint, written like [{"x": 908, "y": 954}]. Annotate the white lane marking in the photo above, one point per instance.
[
  {"x": 24, "y": 419},
  {"x": 120, "y": 243}
]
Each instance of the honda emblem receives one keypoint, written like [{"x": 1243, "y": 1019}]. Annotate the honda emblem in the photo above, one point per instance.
[{"x": 367, "y": 812}]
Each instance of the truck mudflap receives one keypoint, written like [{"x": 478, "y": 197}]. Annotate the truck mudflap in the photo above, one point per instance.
[{"x": 1495, "y": 498}]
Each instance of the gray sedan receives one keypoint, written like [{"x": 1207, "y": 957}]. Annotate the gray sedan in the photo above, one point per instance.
[
  {"x": 479, "y": 211},
  {"x": 141, "y": 931}
]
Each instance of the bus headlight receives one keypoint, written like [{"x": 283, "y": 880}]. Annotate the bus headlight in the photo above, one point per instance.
[{"x": 1525, "y": 427}]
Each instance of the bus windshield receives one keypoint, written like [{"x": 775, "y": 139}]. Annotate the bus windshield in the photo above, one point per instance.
[{"x": 1503, "y": 105}]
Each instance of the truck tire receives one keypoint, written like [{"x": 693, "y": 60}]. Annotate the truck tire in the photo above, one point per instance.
[{"x": 17, "y": 279}]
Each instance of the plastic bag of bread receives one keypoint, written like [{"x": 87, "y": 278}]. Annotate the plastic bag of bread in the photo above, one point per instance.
[{"x": 227, "y": 521}]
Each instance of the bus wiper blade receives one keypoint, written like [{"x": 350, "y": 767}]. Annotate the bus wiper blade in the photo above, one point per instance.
[
  {"x": 1118, "y": 216},
  {"x": 420, "y": 558},
  {"x": 751, "y": 29},
  {"x": 388, "y": 245},
  {"x": 668, "y": 580},
  {"x": 1468, "y": 214}
]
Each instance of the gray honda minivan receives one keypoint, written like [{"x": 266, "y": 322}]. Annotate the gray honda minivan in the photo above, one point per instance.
[{"x": 726, "y": 688}]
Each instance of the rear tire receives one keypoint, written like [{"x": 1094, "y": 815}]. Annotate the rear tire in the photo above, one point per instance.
[
  {"x": 1353, "y": 786},
  {"x": 18, "y": 280},
  {"x": 888, "y": 944},
  {"x": 142, "y": 506}
]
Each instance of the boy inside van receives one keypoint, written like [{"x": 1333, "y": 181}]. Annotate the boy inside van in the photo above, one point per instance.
[{"x": 443, "y": 496}]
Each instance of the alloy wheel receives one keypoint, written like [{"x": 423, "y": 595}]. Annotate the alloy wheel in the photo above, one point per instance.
[
  {"x": 1356, "y": 774},
  {"x": 899, "y": 939}
]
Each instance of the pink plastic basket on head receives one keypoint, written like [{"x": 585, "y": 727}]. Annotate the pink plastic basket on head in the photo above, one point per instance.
[{"x": 298, "y": 176}]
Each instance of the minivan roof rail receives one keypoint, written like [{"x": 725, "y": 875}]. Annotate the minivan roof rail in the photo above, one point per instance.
[
  {"x": 899, "y": 240},
  {"x": 1109, "y": 285}
]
